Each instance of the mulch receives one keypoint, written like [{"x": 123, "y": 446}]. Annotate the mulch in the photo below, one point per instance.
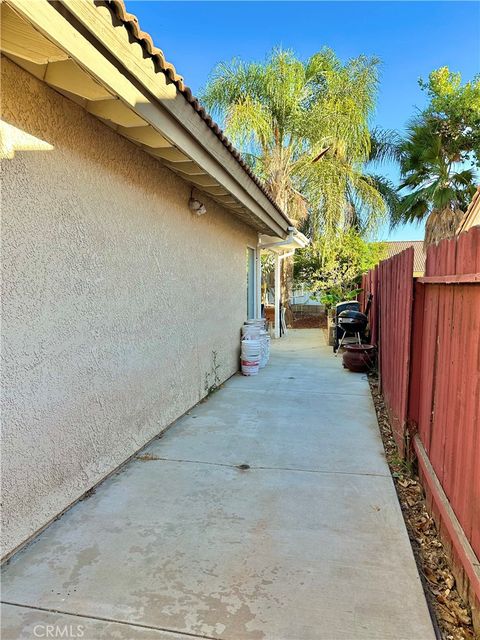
[
  {"x": 452, "y": 614},
  {"x": 310, "y": 322}
]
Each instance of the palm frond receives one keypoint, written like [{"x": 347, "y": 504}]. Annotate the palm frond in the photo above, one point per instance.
[
  {"x": 385, "y": 146},
  {"x": 248, "y": 124}
]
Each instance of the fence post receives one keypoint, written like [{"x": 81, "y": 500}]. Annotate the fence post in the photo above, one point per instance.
[{"x": 416, "y": 352}]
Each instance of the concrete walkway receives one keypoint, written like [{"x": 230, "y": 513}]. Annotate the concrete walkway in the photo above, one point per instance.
[{"x": 307, "y": 544}]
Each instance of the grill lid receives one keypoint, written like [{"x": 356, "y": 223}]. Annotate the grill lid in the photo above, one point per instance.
[{"x": 352, "y": 316}]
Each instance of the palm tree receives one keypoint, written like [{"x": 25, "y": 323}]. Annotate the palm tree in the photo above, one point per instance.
[
  {"x": 437, "y": 184},
  {"x": 304, "y": 129},
  {"x": 384, "y": 147}
]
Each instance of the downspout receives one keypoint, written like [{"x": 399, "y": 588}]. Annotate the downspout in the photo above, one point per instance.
[{"x": 258, "y": 282}]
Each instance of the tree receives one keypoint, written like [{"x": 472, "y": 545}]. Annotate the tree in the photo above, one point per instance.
[
  {"x": 438, "y": 186},
  {"x": 304, "y": 128},
  {"x": 439, "y": 154},
  {"x": 333, "y": 267},
  {"x": 454, "y": 110}
]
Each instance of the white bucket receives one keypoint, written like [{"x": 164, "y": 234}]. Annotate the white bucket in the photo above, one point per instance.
[
  {"x": 250, "y": 332},
  {"x": 251, "y": 347},
  {"x": 252, "y": 328},
  {"x": 265, "y": 348},
  {"x": 250, "y": 356},
  {"x": 250, "y": 367},
  {"x": 255, "y": 348}
]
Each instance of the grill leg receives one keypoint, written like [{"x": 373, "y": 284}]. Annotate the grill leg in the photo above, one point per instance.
[
  {"x": 359, "y": 340},
  {"x": 340, "y": 343}
]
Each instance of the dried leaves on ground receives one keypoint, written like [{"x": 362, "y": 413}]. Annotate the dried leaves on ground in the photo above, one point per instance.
[{"x": 453, "y": 615}]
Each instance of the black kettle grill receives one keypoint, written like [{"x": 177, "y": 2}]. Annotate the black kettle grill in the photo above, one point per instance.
[
  {"x": 349, "y": 323},
  {"x": 352, "y": 321}
]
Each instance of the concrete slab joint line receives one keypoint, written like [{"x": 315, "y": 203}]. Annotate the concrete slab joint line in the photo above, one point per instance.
[
  {"x": 256, "y": 468},
  {"x": 308, "y": 543}
]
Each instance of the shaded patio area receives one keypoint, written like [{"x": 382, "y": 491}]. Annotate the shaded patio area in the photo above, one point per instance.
[{"x": 266, "y": 512}]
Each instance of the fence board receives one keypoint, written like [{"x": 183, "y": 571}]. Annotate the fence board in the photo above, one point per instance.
[
  {"x": 442, "y": 345},
  {"x": 416, "y": 355}
]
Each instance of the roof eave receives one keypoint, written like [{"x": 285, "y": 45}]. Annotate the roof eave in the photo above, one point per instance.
[
  {"x": 105, "y": 51},
  {"x": 472, "y": 214}
]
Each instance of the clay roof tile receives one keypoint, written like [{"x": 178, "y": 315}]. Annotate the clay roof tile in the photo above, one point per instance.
[
  {"x": 132, "y": 24},
  {"x": 393, "y": 247}
]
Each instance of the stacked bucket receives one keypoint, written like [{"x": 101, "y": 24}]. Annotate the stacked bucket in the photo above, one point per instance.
[{"x": 255, "y": 347}]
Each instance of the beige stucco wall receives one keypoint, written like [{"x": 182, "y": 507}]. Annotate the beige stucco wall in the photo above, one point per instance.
[{"x": 115, "y": 299}]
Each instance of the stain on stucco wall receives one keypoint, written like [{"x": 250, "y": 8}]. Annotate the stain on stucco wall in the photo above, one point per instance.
[{"x": 115, "y": 297}]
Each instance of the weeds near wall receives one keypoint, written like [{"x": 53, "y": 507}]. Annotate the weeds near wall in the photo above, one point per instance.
[{"x": 212, "y": 377}]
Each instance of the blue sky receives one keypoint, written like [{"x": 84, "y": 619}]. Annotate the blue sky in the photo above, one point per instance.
[{"x": 411, "y": 39}]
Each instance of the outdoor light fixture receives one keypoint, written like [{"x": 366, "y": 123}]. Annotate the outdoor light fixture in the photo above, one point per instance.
[{"x": 197, "y": 207}]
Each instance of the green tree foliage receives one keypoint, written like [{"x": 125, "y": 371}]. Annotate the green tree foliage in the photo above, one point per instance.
[
  {"x": 304, "y": 128},
  {"x": 439, "y": 154},
  {"x": 455, "y": 112},
  {"x": 333, "y": 266}
]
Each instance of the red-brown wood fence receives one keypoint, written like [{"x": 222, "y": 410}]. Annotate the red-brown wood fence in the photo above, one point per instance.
[
  {"x": 395, "y": 293},
  {"x": 447, "y": 368},
  {"x": 428, "y": 336},
  {"x": 370, "y": 286},
  {"x": 391, "y": 285}
]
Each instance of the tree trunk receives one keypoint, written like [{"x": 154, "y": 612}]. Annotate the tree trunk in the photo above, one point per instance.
[
  {"x": 286, "y": 288},
  {"x": 441, "y": 224}
]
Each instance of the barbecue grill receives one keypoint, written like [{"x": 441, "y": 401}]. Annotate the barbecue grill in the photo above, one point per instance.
[
  {"x": 352, "y": 323},
  {"x": 346, "y": 305}
]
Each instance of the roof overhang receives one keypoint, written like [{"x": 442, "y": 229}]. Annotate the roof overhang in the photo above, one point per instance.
[
  {"x": 295, "y": 240},
  {"x": 84, "y": 52},
  {"x": 472, "y": 214}
]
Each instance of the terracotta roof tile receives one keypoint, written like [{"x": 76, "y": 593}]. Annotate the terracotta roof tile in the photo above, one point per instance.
[
  {"x": 398, "y": 246},
  {"x": 145, "y": 40}
]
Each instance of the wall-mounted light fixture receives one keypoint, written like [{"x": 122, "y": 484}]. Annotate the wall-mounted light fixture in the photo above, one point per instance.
[{"x": 195, "y": 206}]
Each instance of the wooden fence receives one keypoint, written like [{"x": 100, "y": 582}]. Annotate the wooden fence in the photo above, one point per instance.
[
  {"x": 391, "y": 286},
  {"x": 395, "y": 292},
  {"x": 370, "y": 286},
  {"x": 428, "y": 336}
]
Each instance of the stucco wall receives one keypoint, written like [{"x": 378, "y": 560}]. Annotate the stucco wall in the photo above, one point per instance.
[{"x": 115, "y": 299}]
